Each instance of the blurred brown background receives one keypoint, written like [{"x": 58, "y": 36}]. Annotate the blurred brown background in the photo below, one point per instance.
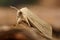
[{"x": 7, "y": 16}]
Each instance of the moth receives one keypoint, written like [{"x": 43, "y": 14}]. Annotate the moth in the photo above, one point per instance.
[{"x": 30, "y": 18}]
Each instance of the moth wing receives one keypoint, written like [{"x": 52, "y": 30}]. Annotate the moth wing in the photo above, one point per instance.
[{"x": 38, "y": 23}]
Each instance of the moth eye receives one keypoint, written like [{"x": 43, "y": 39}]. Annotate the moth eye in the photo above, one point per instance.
[{"x": 20, "y": 13}]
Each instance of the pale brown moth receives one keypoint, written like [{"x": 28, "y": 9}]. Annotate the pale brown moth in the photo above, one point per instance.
[{"x": 30, "y": 18}]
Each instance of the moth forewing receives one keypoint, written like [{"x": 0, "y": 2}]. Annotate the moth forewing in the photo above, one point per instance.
[{"x": 38, "y": 23}]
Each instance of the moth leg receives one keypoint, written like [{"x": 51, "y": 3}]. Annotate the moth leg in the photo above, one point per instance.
[{"x": 26, "y": 19}]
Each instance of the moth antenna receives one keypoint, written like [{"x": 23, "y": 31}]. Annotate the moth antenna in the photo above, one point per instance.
[{"x": 14, "y": 7}]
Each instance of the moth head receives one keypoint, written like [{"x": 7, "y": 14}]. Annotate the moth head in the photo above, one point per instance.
[{"x": 19, "y": 13}]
